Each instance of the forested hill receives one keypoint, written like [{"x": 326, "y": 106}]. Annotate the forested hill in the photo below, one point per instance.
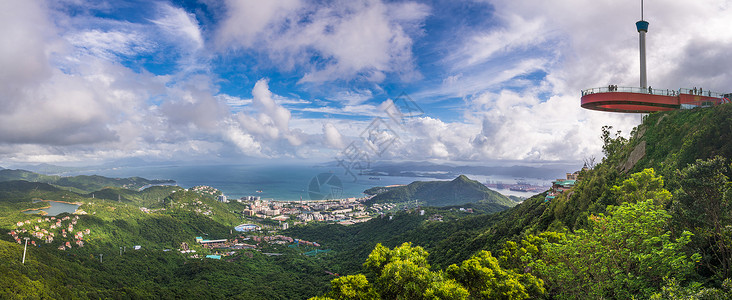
[
  {"x": 651, "y": 221},
  {"x": 647, "y": 222},
  {"x": 459, "y": 191},
  {"x": 81, "y": 183},
  {"x": 667, "y": 142}
]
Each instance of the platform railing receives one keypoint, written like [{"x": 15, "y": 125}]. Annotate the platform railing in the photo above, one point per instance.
[
  {"x": 704, "y": 93},
  {"x": 652, "y": 91}
]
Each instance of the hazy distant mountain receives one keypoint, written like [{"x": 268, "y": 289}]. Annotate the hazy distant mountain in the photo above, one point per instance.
[
  {"x": 441, "y": 171},
  {"x": 81, "y": 183},
  {"x": 47, "y": 169},
  {"x": 461, "y": 190}
]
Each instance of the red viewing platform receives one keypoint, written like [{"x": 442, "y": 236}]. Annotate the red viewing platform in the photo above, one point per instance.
[{"x": 644, "y": 100}]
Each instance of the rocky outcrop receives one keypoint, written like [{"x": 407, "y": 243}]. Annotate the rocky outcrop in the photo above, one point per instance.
[{"x": 638, "y": 152}]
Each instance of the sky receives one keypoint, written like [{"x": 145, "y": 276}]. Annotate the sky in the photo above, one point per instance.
[{"x": 462, "y": 82}]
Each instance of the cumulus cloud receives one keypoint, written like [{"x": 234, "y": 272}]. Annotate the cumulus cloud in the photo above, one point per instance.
[
  {"x": 362, "y": 40},
  {"x": 243, "y": 141},
  {"x": 24, "y": 31},
  {"x": 190, "y": 106},
  {"x": 42, "y": 104},
  {"x": 521, "y": 77},
  {"x": 333, "y": 137},
  {"x": 84, "y": 87},
  {"x": 267, "y": 123},
  {"x": 66, "y": 96},
  {"x": 508, "y": 126},
  {"x": 271, "y": 120},
  {"x": 246, "y": 21},
  {"x": 556, "y": 129}
]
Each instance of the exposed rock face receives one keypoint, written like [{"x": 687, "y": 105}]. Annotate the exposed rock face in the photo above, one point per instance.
[
  {"x": 661, "y": 118},
  {"x": 638, "y": 152}
]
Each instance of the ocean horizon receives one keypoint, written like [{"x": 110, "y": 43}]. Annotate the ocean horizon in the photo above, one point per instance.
[{"x": 281, "y": 183}]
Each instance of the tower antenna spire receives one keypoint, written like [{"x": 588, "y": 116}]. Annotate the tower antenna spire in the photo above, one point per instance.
[{"x": 642, "y": 27}]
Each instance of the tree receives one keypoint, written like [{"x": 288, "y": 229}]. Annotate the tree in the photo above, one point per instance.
[
  {"x": 352, "y": 287},
  {"x": 673, "y": 290},
  {"x": 704, "y": 206},
  {"x": 642, "y": 186},
  {"x": 590, "y": 162},
  {"x": 611, "y": 145},
  {"x": 403, "y": 273},
  {"x": 625, "y": 254},
  {"x": 485, "y": 279}
]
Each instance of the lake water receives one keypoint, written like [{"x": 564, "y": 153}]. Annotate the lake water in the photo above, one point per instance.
[
  {"x": 56, "y": 208},
  {"x": 285, "y": 183}
]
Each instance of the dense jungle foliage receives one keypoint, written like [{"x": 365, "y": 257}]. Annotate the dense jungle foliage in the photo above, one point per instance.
[{"x": 652, "y": 220}]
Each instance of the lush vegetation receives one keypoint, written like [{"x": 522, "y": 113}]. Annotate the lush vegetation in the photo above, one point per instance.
[
  {"x": 108, "y": 267},
  {"x": 147, "y": 273},
  {"x": 404, "y": 273},
  {"x": 652, "y": 220},
  {"x": 647, "y": 224}
]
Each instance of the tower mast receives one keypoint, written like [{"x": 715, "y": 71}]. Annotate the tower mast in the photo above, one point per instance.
[{"x": 642, "y": 27}]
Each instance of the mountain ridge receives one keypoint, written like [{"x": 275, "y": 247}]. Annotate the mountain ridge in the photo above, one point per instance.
[
  {"x": 461, "y": 190},
  {"x": 80, "y": 183}
]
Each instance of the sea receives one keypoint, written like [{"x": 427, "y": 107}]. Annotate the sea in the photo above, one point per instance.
[{"x": 281, "y": 183}]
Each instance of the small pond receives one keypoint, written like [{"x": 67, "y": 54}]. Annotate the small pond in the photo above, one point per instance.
[{"x": 56, "y": 208}]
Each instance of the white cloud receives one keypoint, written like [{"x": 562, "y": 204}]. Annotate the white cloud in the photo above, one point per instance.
[
  {"x": 190, "y": 106},
  {"x": 501, "y": 41},
  {"x": 181, "y": 25},
  {"x": 111, "y": 44},
  {"x": 576, "y": 44},
  {"x": 72, "y": 87},
  {"x": 24, "y": 31},
  {"x": 333, "y": 137},
  {"x": 66, "y": 96},
  {"x": 352, "y": 97},
  {"x": 236, "y": 103},
  {"x": 364, "y": 110},
  {"x": 510, "y": 126},
  {"x": 268, "y": 123},
  {"x": 263, "y": 102},
  {"x": 247, "y": 21},
  {"x": 350, "y": 40},
  {"x": 243, "y": 141}
]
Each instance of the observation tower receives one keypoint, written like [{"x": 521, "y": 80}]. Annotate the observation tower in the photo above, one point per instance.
[{"x": 645, "y": 99}]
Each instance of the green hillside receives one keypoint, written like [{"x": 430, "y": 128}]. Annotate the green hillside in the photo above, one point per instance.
[
  {"x": 112, "y": 223},
  {"x": 81, "y": 183},
  {"x": 459, "y": 191},
  {"x": 646, "y": 222},
  {"x": 150, "y": 197},
  {"x": 651, "y": 221}
]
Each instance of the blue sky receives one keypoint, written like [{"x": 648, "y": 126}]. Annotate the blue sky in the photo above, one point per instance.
[{"x": 484, "y": 82}]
